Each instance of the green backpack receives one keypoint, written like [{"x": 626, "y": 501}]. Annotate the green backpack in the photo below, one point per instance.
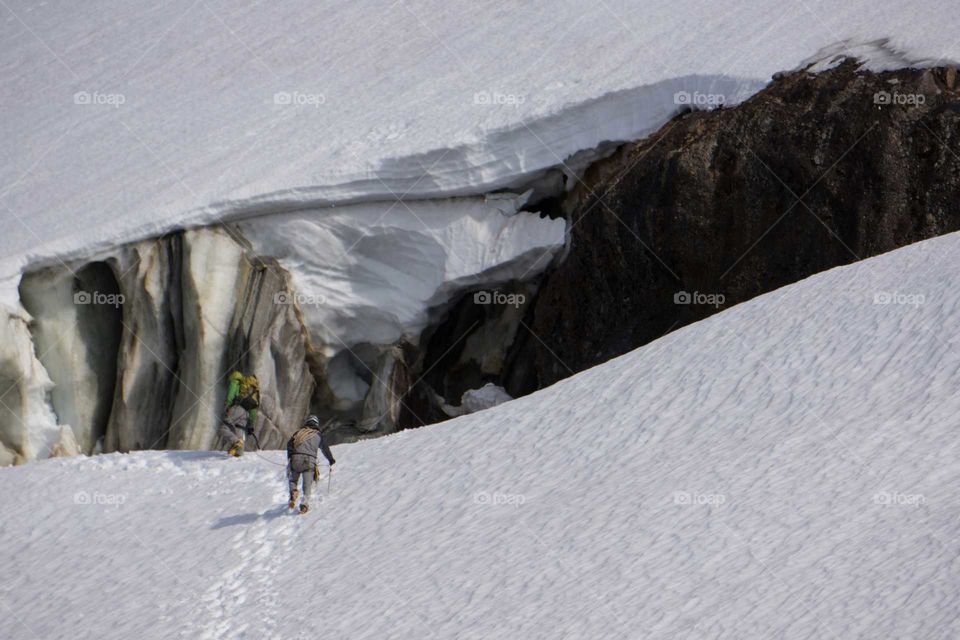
[{"x": 245, "y": 391}]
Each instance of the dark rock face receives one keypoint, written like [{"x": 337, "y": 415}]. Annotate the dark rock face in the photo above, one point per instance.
[
  {"x": 815, "y": 172},
  {"x": 479, "y": 341}
]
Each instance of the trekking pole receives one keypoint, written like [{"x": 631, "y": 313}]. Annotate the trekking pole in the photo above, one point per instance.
[{"x": 329, "y": 477}]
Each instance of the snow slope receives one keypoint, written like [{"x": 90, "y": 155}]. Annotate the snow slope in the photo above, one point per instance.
[
  {"x": 124, "y": 120},
  {"x": 785, "y": 469}
]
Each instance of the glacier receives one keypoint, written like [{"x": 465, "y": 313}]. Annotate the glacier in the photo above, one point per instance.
[{"x": 784, "y": 469}]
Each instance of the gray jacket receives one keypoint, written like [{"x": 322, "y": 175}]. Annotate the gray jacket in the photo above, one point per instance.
[
  {"x": 302, "y": 449},
  {"x": 237, "y": 417},
  {"x": 233, "y": 426}
]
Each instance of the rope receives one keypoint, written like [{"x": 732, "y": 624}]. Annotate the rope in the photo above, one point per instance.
[
  {"x": 257, "y": 453},
  {"x": 257, "y": 441}
]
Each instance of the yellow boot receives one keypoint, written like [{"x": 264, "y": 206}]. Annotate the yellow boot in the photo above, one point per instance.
[
  {"x": 293, "y": 499},
  {"x": 236, "y": 449}
]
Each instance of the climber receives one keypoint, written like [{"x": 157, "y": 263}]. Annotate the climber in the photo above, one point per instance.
[
  {"x": 302, "y": 460},
  {"x": 240, "y": 419}
]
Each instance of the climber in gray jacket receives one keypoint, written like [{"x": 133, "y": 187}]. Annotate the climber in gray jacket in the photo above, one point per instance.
[
  {"x": 302, "y": 450},
  {"x": 234, "y": 426}
]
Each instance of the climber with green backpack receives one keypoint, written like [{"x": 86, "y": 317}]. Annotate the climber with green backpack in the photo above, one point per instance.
[{"x": 240, "y": 418}]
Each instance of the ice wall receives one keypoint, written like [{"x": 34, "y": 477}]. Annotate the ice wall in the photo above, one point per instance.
[{"x": 131, "y": 348}]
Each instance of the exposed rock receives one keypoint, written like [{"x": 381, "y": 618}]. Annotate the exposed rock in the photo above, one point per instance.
[
  {"x": 814, "y": 172},
  {"x": 473, "y": 346}
]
